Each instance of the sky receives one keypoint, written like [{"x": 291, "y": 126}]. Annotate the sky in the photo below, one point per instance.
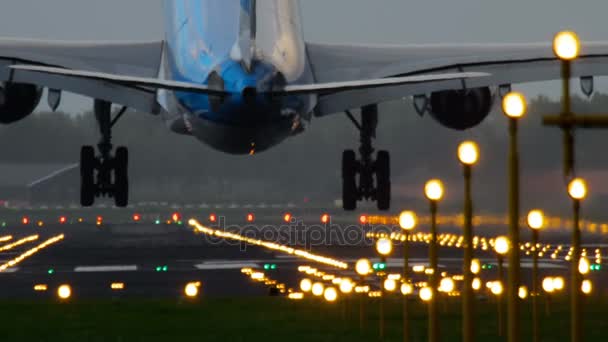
[{"x": 332, "y": 21}]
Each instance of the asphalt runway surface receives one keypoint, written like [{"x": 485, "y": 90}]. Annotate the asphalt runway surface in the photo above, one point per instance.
[{"x": 156, "y": 257}]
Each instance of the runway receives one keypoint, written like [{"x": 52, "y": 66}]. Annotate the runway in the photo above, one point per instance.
[{"x": 155, "y": 256}]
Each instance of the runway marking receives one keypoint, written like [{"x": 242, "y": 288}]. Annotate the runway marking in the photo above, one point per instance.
[
  {"x": 225, "y": 266},
  {"x": 31, "y": 252},
  {"x": 19, "y": 243},
  {"x": 268, "y": 245},
  {"x": 11, "y": 270},
  {"x": 115, "y": 268}
]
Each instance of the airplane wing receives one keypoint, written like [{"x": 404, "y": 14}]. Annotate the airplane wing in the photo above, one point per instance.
[
  {"x": 504, "y": 64},
  {"x": 130, "y": 59}
]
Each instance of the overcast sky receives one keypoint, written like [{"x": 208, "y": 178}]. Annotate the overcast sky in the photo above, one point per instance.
[{"x": 360, "y": 21}]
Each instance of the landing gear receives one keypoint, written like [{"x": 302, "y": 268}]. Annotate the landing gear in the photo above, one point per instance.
[
  {"x": 376, "y": 188},
  {"x": 104, "y": 175}
]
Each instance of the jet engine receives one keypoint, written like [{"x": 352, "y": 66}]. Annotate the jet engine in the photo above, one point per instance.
[
  {"x": 18, "y": 100},
  {"x": 461, "y": 109}
]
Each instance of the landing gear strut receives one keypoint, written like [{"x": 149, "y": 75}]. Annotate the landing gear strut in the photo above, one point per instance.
[
  {"x": 376, "y": 188},
  {"x": 105, "y": 175}
]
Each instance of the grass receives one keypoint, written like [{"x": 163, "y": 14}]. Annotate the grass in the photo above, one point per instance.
[{"x": 263, "y": 319}]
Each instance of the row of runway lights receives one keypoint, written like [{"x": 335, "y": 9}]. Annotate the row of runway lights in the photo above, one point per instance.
[
  {"x": 64, "y": 292},
  {"x": 331, "y": 287},
  {"x": 27, "y": 254},
  {"x": 487, "y": 244}
]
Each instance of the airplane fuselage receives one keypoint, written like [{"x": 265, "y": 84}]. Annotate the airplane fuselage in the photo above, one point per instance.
[{"x": 242, "y": 47}]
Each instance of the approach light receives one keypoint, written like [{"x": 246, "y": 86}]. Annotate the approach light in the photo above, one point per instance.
[
  {"x": 213, "y": 218},
  {"x": 548, "y": 285},
  {"x": 522, "y": 292},
  {"x": 63, "y": 220},
  {"x": 407, "y": 289},
  {"x": 497, "y": 288},
  {"x": 346, "y": 286},
  {"x": 468, "y": 153},
  {"x": 536, "y": 219},
  {"x": 587, "y": 286},
  {"x": 390, "y": 285},
  {"x": 514, "y": 105},
  {"x": 64, "y": 292},
  {"x": 566, "y": 46},
  {"x": 318, "y": 289},
  {"x": 426, "y": 294},
  {"x": 502, "y": 245},
  {"x": 305, "y": 285},
  {"x": 136, "y": 217},
  {"x": 447, "y": 285},
  {"x": 250, "y": 218},
  {"x": 191, "y": 290},
  {"x": 408, "y": 220},
  {"x": 558, "y": 283},
  {"x": 330, "y": 294},
  {"x": 325, "y": 218},
  {"x": 384, "y": 246},
  {"x": 475, "y": 266},
  {"x": 584, "y": 266},
  {"x": 363, "y": 267},
  {"x": 577, "y": 189},
  {"x": 476, "y": 285},
  {"x": 25, "y": 220},
  {"x": 434, "y": 190}
]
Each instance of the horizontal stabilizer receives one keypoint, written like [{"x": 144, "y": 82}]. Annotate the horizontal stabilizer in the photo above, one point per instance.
[
  {"x": 123, "y": 80},
  {"x": 334, "y": 87},
  {"x": 318, "y": 88}
]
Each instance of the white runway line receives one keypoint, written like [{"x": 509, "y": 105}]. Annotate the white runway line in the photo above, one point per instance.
[
  {"x": 11, "y": 270},
  {"x": 225, "y": 266},
  {"x": 116, "y": 268}
]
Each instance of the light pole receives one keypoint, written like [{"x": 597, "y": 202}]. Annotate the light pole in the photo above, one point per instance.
[
  {"x": 536, "y": 222},
  {"x": 514, "y": 106},
  {"x": 566, "y": 47},
  {"x": 502, "y": 248},
  {"x": 363, "y": 267},
  {"x": 384, "y": 247},
  {"x": 577, "y": 189},
  {"x": 468, "y": 154},
  {"x": 434, "y": 192},
  {"x": 407, "y": 222}
]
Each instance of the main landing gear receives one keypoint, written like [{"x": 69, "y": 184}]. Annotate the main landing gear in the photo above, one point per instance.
[
  {"x": 376, "y": 188},
  {"x": 104, "y": 175}
]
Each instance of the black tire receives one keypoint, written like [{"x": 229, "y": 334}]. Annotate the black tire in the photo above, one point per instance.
[
  {"x": 349, "y": 180},
  {"x": 121, "y": 177},
  {"x": 87, "y": 176},
  {"x": 383, "y": 180}
]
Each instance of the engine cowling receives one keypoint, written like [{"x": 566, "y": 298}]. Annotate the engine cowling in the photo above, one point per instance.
[
  {"x": 17, "y": 101},
  {"x": 461, "y": 109}
]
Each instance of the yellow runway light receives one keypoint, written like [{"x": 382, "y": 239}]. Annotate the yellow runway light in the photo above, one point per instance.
[{"x": 41, "y": 287}]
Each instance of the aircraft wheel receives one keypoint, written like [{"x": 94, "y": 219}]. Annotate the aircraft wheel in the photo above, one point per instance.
[{"x": 121, "y": 177}]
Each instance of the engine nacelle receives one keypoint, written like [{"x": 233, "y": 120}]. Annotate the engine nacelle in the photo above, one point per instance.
[
  {"x": 461, "y": 109},
  {"x": 17, "y": 101}
]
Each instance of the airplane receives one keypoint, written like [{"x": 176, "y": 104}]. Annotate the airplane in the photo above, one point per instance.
[{"x": 239, "y": 76}]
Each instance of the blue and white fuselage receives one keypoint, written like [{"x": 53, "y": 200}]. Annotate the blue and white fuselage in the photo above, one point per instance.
[{"x": 242, "y": 47}]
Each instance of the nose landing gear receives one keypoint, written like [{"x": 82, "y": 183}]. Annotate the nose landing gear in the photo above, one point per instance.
[
  {"x": 374, "y": 175},
  {"x": 105, "y": 175}
]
